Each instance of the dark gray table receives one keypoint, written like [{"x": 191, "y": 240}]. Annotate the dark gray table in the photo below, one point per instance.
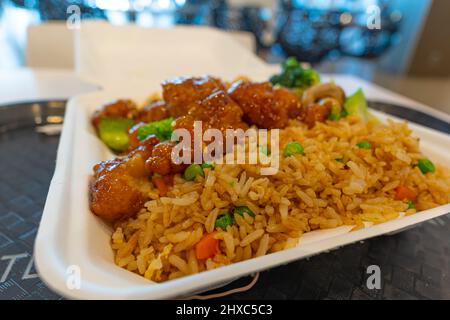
[{"x": 415, "y": 264}]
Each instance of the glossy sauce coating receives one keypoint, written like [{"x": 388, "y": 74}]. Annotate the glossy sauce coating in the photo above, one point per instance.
[
  {"x": 119, "y": 187},
  {"x": 265, "y": 106}
]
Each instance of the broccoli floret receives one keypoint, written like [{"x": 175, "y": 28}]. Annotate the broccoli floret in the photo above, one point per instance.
[
  {"x": 293, "y": 75},
  {"x": 162, "y": 129},
  {"x": 356, "y": 105}
]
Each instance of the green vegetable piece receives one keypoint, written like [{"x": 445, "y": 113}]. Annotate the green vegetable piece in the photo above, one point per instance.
[
  {"x": 162, "y": 129},
  {"x": 356, "y": 105},
  {"x": 426, "y": 166},
  {"x": 344, "y": 113},
  {"x": 308, "y": 78},
  {"x": 290, "y": 62},
  {"x": 292, "y": 148},
  {"x": 341, "y": 160},
  {"x": 114, "y": 132},
  {"x": 411, "y": 204},
  {"x": 364, "y": 144},
  {"x": 207, "y": 165},
  {"x": 293, "y": 75},
  {"x": 224, "y": 220},
  {"x": 335, "y": 113},
  {"x": 192, "y": 171},
  {"x": 244, "y": 209}
]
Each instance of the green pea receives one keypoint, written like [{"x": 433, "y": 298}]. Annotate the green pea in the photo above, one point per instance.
[
  {"x": 192, "y": 171},
  {"x": 244, "y": 209},
  {"x": 292, "y": 148},
  {"x": 411, "y": 204},
  {"x": 224, "y": 220},
  {"x": 364, "y": 144},
  {"x": 426, "y": 166}
]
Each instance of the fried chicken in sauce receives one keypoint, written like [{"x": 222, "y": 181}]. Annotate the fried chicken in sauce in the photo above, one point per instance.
[
  {"x": 156, "y": 110},
  {"x": 316, "y": 113},
  {"x": 265, "y": 106},
  {"x": 160, "y": 161},
  {"x": 218, "y": 111},
  {"x": 180, "y": 93},
  {"x": 120, "y": 187},
  {"x": 133, "y": 135}
]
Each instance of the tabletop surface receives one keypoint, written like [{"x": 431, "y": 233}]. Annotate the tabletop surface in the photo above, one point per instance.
[
  {"x": 28, "y": 84},
  {"x": 414, "y": 264}
]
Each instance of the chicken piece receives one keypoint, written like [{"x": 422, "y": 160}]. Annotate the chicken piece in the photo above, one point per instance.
[
  {"x": 133, "y": 136},
  {"x": 265, "y": 106},
  {"x": 145, "y": 147},
  {"x": 218, "y": 111},
  {"x": 184, "y": 122},
  {"x": 180, "y": 93},
  {"x": 119, "y": 187},
  {"x": 193, "y": 99},
  {"x": 161, "y": 160},
  {"x": 154, "y": 111},
  {"x": 117, "y": 109},
  {"x": 317, "y": 113}
]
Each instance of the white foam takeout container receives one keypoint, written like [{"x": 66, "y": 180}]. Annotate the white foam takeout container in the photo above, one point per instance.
[{"x": 71, "y": 241}]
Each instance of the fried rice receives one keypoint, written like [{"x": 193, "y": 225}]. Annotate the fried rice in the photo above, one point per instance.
[{"x": 334, "y": 183}]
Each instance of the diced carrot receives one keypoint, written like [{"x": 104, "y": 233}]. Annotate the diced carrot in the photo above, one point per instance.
[
  {"x": 405, "y": 193},
  {"x": 161, "y": 185},
  {"x": 207, "y": 247}
]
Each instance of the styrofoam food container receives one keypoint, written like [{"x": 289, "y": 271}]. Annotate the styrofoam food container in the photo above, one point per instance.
[{"x": 70, "y": 236}]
